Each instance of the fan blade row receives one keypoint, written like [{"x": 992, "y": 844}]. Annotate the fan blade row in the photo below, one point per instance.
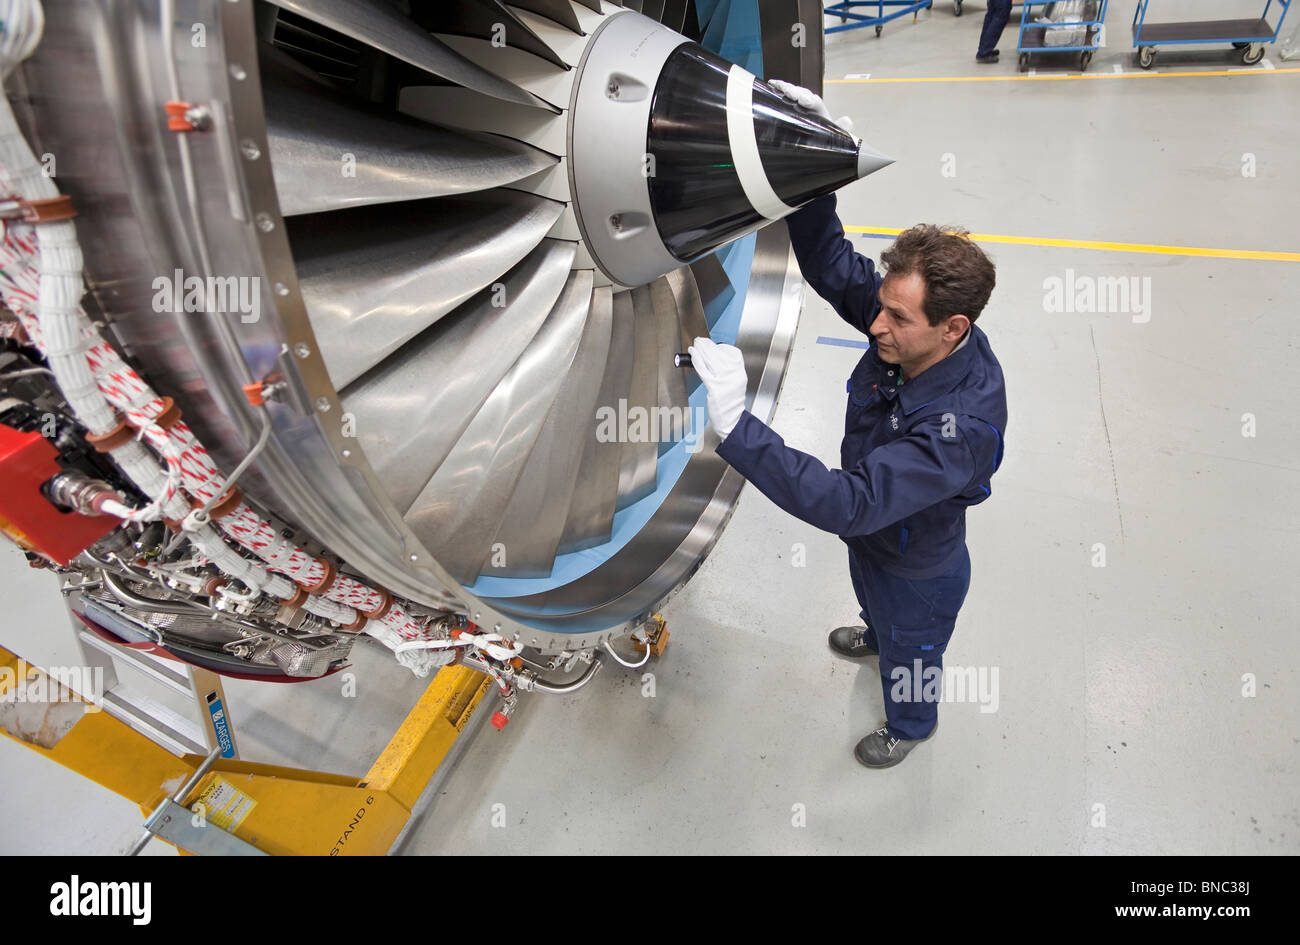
[
  {"x": 411, "y": 410},
  {"x": 482, "y": 19},
  {"x": 542, "y": 504},
  {"x": 509, "y": 404},
  {"x": 462, "y": 507},
  {"x": 329, "y": 155},
  {"x": 382, "y": 27},
  {"x": 372, "y": 279}
]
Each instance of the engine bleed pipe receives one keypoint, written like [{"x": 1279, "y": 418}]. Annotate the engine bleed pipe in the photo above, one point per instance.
[
  {"x": 561, "y": 688},
  {"x": 527, "y": 680},
  {"x": 126, "y": 596}
]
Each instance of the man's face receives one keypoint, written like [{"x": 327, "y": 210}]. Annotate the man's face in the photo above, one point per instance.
[{"x": 901, "y": 330}]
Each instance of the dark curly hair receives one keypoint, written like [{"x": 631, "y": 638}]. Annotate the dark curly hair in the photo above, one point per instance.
[{"x": 958, "y": 276}]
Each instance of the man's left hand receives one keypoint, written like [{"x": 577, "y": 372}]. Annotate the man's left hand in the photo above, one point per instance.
[{"x": 810, "y": 101}]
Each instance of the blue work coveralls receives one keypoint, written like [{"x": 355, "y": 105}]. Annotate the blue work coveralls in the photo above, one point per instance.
[{"x": 916, "y": 453}]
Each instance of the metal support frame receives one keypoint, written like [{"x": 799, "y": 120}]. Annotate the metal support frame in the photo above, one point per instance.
[
  {"x": 267, "y": 808},
  {"x": 845, "y": 12},
  {"x": 149, "y": 716},
  {"x": 187, "y": 831}
]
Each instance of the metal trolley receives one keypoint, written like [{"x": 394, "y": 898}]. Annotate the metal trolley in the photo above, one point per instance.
[
  {"x": 1077, "y": 32},
  {"x": 845, "y": 12},
  {"x": 1248, "y": 35}
]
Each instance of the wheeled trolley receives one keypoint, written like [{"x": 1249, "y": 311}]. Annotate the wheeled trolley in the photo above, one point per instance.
[
  {"x": 1249, "y": 35},
  {"x": 845, "y": 12},
  {"x": 1065, "y": 26}
]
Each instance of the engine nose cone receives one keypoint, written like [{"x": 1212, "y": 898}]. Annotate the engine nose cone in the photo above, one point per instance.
[
  {"x": 870, "y": 160},
  {"x": 676, "y": 152}
]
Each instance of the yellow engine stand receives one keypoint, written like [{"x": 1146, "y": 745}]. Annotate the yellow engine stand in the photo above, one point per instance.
[{"x": 278, "y": 810}]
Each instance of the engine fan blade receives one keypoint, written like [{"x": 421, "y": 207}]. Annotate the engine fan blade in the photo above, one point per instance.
[
  {"x": 327, "y": 155},
  {"x": 483, "y": 19},
  {"x": 381, "y": 26},
  {"x": 591, "y": 510},
  {"x": 461, "y": 509},
  {"x": 535, "y": 517},
  {"x": 374, "y": 278},
  {"x": 413, "y": 408},
  {"x": 640, "y": 457}
]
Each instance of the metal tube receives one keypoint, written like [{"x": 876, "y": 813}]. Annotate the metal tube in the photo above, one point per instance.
[
  {"x": 574, "y": 686},
  {"x": 116, "y": 566},
  {"x": 131, "y": 599},
  {"x": 176, "y": 798}
]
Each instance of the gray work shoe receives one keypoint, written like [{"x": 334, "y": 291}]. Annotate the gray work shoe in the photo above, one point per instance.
[
  {"x": 882, "y": 750},
  {"x": 851, "y": 642}
]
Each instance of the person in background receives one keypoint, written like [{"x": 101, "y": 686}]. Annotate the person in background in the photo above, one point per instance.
[{"x": 995, "y": 20}]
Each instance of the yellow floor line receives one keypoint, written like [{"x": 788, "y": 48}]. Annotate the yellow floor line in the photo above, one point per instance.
[
  {"x": 1105, "y": 246},
  {"x": 1052, "y": 77}
]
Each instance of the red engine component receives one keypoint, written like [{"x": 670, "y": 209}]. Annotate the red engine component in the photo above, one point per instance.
[{"x": 27, "y": 517}]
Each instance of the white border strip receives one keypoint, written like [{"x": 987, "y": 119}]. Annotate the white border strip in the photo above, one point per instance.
[{"x": 744, "y": 146}]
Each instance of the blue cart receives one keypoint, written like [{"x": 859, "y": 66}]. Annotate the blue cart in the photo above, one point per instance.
[
  {"x": 845, "y": 12},
  {"x": 1248, "y": 35},
  {"x": 1078, "y": 29}
]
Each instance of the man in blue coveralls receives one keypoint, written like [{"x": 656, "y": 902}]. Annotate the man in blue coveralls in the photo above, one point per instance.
[{"x": 922, "y": 437}]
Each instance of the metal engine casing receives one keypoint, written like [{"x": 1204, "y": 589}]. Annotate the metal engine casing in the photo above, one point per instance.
[{"x": 91, "y": 96}]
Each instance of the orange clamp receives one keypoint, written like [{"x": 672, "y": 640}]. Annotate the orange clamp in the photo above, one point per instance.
[
  {"x": 229, "y": 501},
  {"x": 50, "y": 210},
  {"x": 107, "y": 442},
  {"x": 176, "y": 120},
  {"x": 299, "y": 597},
  {"x": 169, "y": 415},
  {"x": 385, "y": 605},
  {"x": 326, "y": 579}
]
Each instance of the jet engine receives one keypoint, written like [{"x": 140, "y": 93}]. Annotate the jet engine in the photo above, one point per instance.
[{"x": 340, "y": 319}]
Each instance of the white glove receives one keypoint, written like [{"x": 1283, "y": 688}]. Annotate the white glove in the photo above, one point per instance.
[
  {"x": 810, "y": 101},
  {"x": 722, "y": 369}
]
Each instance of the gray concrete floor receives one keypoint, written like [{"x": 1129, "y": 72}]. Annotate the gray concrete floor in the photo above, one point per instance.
[{"x": 1121, "y": 724}]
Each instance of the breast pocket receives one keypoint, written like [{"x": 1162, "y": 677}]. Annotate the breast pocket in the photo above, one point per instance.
[
  {"x": 861, "y": 394},
  {"x": 861, "y": 423}
]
